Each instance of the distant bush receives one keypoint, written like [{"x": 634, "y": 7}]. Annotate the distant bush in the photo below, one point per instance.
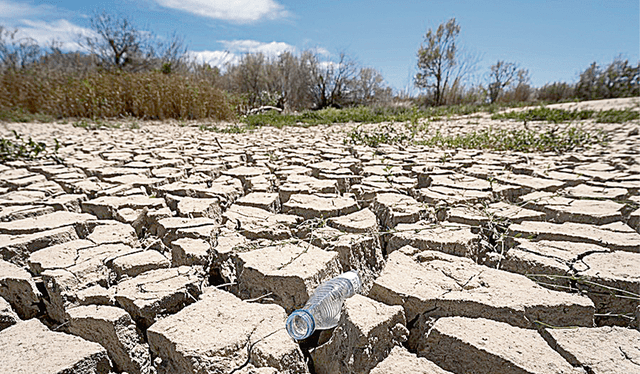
[
  {"x": 618, "y": 79},
  {"x": 556, "y": 92},
  {"x": 561, "y": 115}
]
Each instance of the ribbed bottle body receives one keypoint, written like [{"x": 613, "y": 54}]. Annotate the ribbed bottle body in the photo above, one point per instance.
[
  {"x": 326, "y": 303},
  {"x": 322, "y": 310}
]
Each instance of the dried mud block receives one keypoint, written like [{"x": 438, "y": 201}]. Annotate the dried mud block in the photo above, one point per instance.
[
  {"x": 170, "y": 229},
  {"x": 287, "y": 272},
  {"x": 67, "y": 202},
  {"x": 612, "y": 281},
  {"x": 531, "y": 183},
  {"x": 61, "y": 286},
  {"x": 434, "y": 284},
  {"x": 577, "y": 232},
  {"x": 137, "y": 262},
  {"x": 367, "y": 191},
  {"x": 21, "y": 197},
  {"x": 95, "y": 295},
  {"x": 136, "y": 180},
  {"x": 112, "y": 328},
  {"x": 57, "y": 256},
  {"x": 367, "y": 332},
  {"x": 445, "y": 237},
  {"x": 113, "y": 232},
  {"x": 401, "y": 361},
  {"x": 361, "y": 252},
  {"x": 17, "y": 248},
  {"x": 314, "y": 206},
  {"x": 467, "y": 215},
  {"x": 595, "y": 212},
  {"x": 453, "y": 180},
  {"x": 634, "y": 220},
  {"x": 256, "y": 223},
  {"x": 370, "y": 186},
  {"x": 18, "y": 288},
  {"x": 158, "y": 292},
  {"x": 106, "y": 207},
  {"x": 189, "y": 252},
  {"x": 18, "y": 212},
  {"x": 585, "y": 191},
  {"x": 269, "y": 201},
  {"x": 7, "y": 316},
  {"x": 513, "y": 213},
  {"x": 465, "y": 345},
  {"x": 45, "y": 222},
  {"x": 244, "y": 173},
  {"x": 192, "y": 208},
  {"x": 360, "y": 222},
  {"x": 392, "y": 209},
  {"x": 553, "y": 258},
  {"x": 343, "y": 176},
  {"x": 227, "y": 244},
  {"x": 88, "y": 268},
  {"x": 221, "y": 333},
  {"x": 539, "y": 200},
  {"x": 451, "y": 196},
  {"x": 91, "y": 265},
  {"x": 30, "y": 347},
  {"x": 261, "y": 184},
  {"x": 226, "y": 189},
  {"x": 303, "y": 184},
  {"x": 602, "y": 350}
]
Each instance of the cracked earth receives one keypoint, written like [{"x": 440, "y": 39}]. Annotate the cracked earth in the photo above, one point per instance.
[{"x": 169, "y": 249}]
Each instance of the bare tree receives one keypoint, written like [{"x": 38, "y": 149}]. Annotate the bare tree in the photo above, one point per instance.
[
  {"x": 117, "y": 40},
  {"x": 171, "y": 54},
  {"x": 330, "y": 80},
  {"x": 500, "y": 76},
  {"x": 522, "y": 91},
  {"x": 437, "y": 59},
  {"x": 295, "y": 80},
  {"x": 17, "y": 52},
  {"x": 118, "y": 43}
]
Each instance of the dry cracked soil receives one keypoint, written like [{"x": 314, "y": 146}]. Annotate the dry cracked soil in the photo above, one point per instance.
[{"x": 169, "y": 249}]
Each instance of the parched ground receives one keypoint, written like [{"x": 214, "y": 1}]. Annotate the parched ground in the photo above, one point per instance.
[{"x": 164, "y": 248}]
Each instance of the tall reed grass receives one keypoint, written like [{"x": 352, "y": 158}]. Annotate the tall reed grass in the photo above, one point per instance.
[{"x": 112, "y": 94}]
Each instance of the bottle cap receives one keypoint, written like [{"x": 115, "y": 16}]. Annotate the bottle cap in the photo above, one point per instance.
[{"x": 353, "y": 277}]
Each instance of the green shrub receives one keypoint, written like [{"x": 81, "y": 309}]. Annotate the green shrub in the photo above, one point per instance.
[
  {"x": 21, "y": 149},
  {"x": 617, "y": 116},
  {"x": 546, "y": 114},
  {"x": 385, "y": 134},
  {"x": 561, "y": 115},
  {"x": 519, "y": 140}
]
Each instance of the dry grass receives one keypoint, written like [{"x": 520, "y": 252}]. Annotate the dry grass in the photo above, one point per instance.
[{"x": 111, "y": 94}]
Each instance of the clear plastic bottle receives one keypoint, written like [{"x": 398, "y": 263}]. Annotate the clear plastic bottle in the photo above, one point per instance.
[{"x": 322, "y": 310}]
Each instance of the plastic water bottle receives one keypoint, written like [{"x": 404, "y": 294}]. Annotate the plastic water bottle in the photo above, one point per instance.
[{"x": 322, "y": 310}]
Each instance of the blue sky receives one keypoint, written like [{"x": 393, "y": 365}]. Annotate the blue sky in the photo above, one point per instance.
[{"x": 554, "y": 39}]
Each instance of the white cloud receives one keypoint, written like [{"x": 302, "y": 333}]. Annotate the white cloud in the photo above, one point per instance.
[
  {"x": 321, "y": 51},
  {"x": 235, "y": 48},
  {"x": 214, "y": 58},
  {"x": 253, "y": 46},
  {"x": 11, "y": 11},
  {"x": 62, "y": 31},
  {"x": 241, "y": 11}
]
